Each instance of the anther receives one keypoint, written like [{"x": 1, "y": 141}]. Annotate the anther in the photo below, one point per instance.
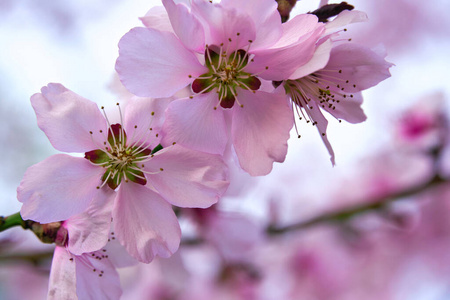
[
  {"x": 323, "y": 134},
  {"x": 238, "y": 34},
  {"x": 340, "y": 71},
  {"x": 190, "y": 76},
  {"x": 161, "y": 169},
  {"x": 90, "y": 132},
  {"x": 172, "y": 144},
  {"x": 153, "y": 113}
]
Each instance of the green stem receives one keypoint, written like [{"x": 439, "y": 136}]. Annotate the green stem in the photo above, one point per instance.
[{"x": 12, "y": 221}]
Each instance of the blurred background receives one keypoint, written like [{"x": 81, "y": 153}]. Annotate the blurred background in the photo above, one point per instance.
[{"x": 399, "y": 250}]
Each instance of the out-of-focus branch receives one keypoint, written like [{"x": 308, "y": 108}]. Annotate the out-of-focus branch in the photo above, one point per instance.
[{"x": 347, "y": 213}]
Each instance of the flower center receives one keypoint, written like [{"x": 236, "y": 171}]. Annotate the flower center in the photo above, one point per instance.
[
  {"x": 324, "y": 87},
  {"x": 226, "y": 75},
  {"x": 120, "y": 160}
]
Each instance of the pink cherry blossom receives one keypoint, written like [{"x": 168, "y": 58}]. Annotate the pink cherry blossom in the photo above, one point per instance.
[
  {"x": 332, "y": 80},
  {"x": 226, "y": 51},
  {"x": 81, "y": 268},
  {"x": 120, "y": 164}
]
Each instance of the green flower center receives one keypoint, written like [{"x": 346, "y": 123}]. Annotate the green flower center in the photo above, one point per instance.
[
  {"x": 226, "y": 75},
  {"x": 120, "y": 161}
]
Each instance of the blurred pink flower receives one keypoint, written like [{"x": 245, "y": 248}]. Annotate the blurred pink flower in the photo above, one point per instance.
[
  {"x": 424, "y": 126},
  {"x": 146, "y": 183},
  {"x": 225, "y": 51}
]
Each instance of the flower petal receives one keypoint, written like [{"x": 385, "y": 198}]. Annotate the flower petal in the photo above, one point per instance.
[
  {"x": 186, "y": 25},
  {"x": 143, "y": 120},
  {"x": 349, "y": 109},
  {"x": 67, "y": 118},
  {"x": 195, "y": 124},
  {"x": 89, "y": 230},
  {"x": 189, "y": 178},
  {"x": 224, "y": 25},
  {"x": 117, "y": 254},
  {"x": 321, "y": 123},
  {"x": 157, "y": 18},
  {"x": 260, "y": 130},
  {"x": 279, "y": 63},
  {"x": 97, "y": 278},
  {"x": 58, "y": 188},
  {"x": 265, "y": 16},
  {"x": 155, "y": 63},
  {"x": 62, "y": 284},
  {"x": 318, "y": 61},
  {"x": 362, "y": 67},
  {"x": 344, "y": 18},
  {"x": 145, "y": 223},
  {"x": 298, "y": 28}
]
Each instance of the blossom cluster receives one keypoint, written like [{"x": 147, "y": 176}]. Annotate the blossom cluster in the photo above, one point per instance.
[{"x": 249, "y": 79}]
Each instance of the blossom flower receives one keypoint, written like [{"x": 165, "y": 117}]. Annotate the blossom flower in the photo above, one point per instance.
[
  {"x": 332, "y": 80},
  {"x": 228, "y": 52},
  {"x": 120, "y": 157},
  {"x": 81, "y": 269},
  {"x": 85, "y": 258}
]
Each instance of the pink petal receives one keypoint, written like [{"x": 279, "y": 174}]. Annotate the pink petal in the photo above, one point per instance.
[
  {"x": 318, "y": 61},
  {"x": 117, "y": 254},
  {"x": 343, "y": 19},
  {"x": 265, "y": 16},
  {"x": 89, "y": 230},
  {"x": 297, "y": 28},
  {"x": 195, "y": 124},
  {"x": 321, "y": 124},
  {"x": 67, "y": 118},
  {"x": 97, "y": 279},
  {"x": 155, "y": 63},
  {"x": 279, "y": 63},
  {"x": 186, "y": 26},
  {"x": 222, "y": 24},
  {"x": 349, "y": 109},
  {"x": 189, "y": 178},
  {"x": 360, "y": 66},
  {"x": 157, "y": 18},
  {"x": 62, "y": 284},
  {"x": 145, "y": 223},
  {"x": 58, "y": 188},
  {"x": 141, "y": 114},
  {"x": 260, "y": 130}
]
